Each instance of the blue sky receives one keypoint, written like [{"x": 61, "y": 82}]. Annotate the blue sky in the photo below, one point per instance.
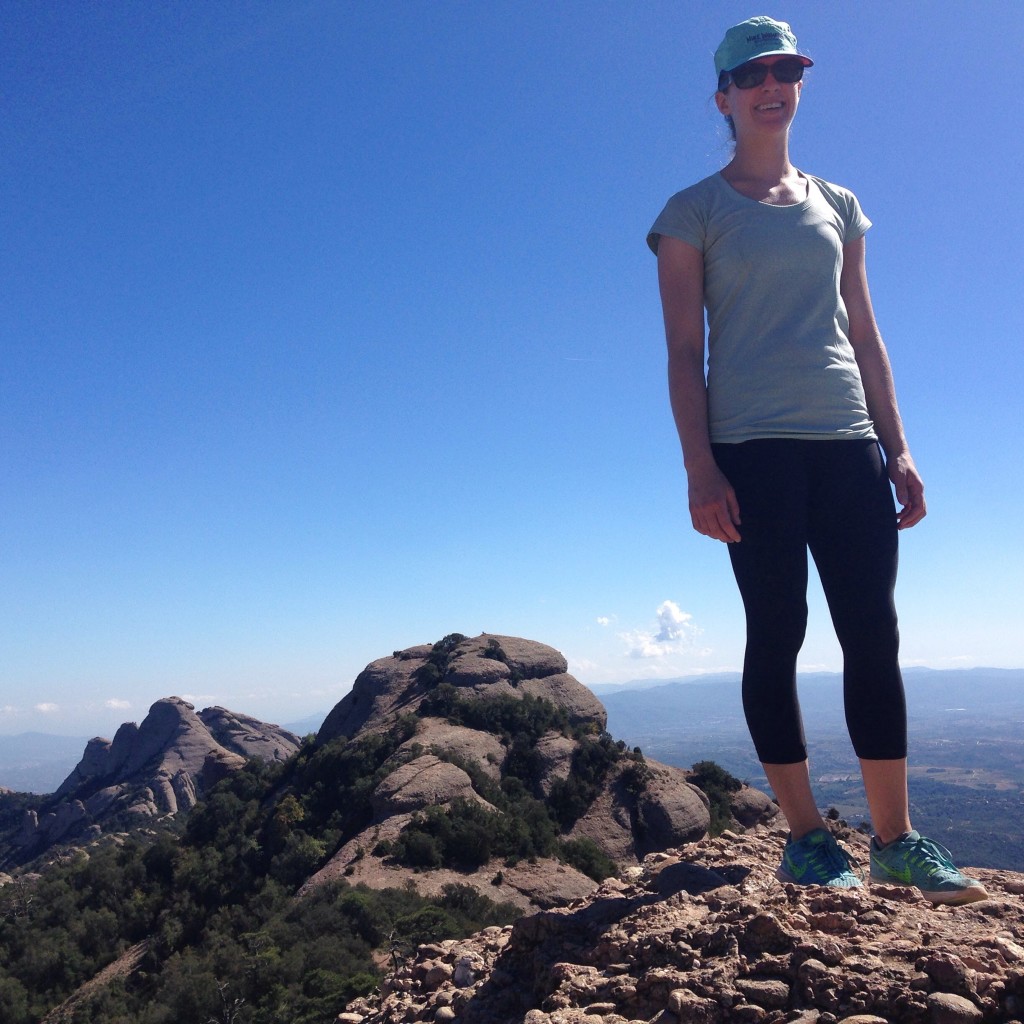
[{"x": 329, "y": 328}]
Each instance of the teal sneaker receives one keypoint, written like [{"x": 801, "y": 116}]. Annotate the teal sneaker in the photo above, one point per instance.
[
  {"x": 818, "y": 859},
  {"x": 919, "y": 862}
]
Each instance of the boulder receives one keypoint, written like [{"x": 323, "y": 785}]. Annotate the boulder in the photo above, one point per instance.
[
  {"x": 556, "y": 752},
  {"x": 667, "y": 811},
  {"x": 751, "y": 807},
  {"x": 480, "y": 748},
  {"x": 423, "y": 782},
  {"x": 672, "y": 810}
]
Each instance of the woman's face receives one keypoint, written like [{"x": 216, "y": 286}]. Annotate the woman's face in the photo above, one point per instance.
[{"x": 766, "y": 108}]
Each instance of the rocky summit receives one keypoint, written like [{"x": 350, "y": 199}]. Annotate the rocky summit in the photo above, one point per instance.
[
  {"x": 453, "y": 695},
  {"x": 705, "y": 934},
  {"x": 487, "y": 666}
]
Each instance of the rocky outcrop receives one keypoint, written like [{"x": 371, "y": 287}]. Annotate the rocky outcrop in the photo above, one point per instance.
[
  {"x": 247, "y": 736},
  {"x": 634, "y": 807},
  {"x": 152, "y": 770},
  {"x": 485, "y": 666},
  {"x": 706, "y": 934},
  {"x": 171, "y": 739},
  {"x": 426, "y": 781}
]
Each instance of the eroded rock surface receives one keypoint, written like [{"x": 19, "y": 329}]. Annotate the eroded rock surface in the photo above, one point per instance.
[
  {"x": 639, "y": 805},
  {"x": 707, "y": 934}
]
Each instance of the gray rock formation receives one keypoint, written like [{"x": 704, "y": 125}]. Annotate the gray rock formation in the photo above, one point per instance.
[
  {"x": 425, "y": 781},
  {"x": 707, "y": 934},
  {"x": 149, "y": 771},
  {"x": 247, "y": 736},
  {"x": 482, "y": 667},
  {"x": 464, "y": 742},
  {"x": 638, "y": 806}
]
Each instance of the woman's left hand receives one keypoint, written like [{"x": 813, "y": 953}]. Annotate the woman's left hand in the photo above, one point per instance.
[{"x": 909, "y": 491}]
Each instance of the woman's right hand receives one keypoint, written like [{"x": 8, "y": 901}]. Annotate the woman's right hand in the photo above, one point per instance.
[{"x": 714, "y": 509}]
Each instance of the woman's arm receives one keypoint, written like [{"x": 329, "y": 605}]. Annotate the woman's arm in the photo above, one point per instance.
[
  {"x": 879, "y": 388},
  {"x": 714, "y": 509}
]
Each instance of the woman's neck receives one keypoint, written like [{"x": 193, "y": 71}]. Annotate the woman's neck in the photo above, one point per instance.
[
  {"x": 764, "y": 173},
  {"x": 764, "y": 160}
]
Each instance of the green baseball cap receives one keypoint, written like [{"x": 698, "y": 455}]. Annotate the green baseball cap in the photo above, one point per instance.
[{"x": 756, "y": 37}]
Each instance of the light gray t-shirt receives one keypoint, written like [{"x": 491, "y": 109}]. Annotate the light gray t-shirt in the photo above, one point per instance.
[{"x": 780, "y": 363}]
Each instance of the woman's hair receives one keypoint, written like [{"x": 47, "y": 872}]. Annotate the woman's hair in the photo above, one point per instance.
[{"x": 723, "y": 84}]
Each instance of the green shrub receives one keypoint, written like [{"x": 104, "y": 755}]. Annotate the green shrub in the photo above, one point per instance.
[
  {"x": 592, "y": 760},
  {"x": 717, "y": 785},
  {"x": 586, "y": 856},
  {"x": 506, "y": 716},
  {"x": 433, "y": 670},
  {"x": 636, "y": 774}
]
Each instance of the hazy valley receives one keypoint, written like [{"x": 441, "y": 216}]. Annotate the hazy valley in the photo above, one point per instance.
[{"x": 966, "y": 755}]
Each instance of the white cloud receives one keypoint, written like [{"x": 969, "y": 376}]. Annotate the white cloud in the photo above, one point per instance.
[
  {"x": 604, "y": 620},
  {"x": 676, "y": 632},
  {"x": 117, "y": 705},
  {"x": 47, "y": 708}
]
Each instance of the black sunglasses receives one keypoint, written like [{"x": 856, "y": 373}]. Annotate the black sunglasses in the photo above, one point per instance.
[{"x": 746, "y": 76}]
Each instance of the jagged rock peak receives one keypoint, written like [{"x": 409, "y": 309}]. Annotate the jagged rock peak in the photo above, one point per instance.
[
  {"x": 175, "y": 737},
  {"x": 150, "y": 770},
  {"x": 486, "y": 666}
]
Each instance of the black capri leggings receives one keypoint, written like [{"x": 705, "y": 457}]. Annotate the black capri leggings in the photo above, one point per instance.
[{"x": 833, "y": 497}]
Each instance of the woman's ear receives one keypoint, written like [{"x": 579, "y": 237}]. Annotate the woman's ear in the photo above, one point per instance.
[{"x": 722, "y": 102}]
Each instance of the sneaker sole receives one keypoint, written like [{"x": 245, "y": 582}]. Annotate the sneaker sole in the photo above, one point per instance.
[
  {"x": 784, "y": 876},
  {"x": 949, "y": 898}
]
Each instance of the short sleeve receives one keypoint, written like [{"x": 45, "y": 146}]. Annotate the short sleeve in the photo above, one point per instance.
[
  {"x": 681, "y": 218},
  {"x": 847, "y": 206},
  {"x": 857, "y": 222}
]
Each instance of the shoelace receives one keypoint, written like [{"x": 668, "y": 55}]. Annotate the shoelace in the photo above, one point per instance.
[
  {"x": 929, "y": 854},
  {"x": 831, "y": 856}
]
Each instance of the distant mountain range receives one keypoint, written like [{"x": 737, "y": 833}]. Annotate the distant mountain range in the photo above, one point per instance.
[{"x": 702, "y": 716}]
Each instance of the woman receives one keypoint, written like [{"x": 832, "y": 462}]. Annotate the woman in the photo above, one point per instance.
[{"x": 782, "y": 443}]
